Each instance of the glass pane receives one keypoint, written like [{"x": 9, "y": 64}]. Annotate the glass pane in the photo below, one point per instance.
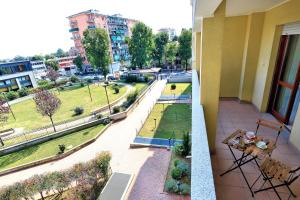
[
  {"x": 295, "y": 107},
  {"x": 292, "y": 60},
  {"x": 282, "y": 100}
]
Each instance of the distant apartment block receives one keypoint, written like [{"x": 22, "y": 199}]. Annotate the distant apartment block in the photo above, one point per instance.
[
  {"x": 39, "y": 69},
  {"x": 116, "y": 26},
  {"x": 15, "y": 75},
  {"x": 66, "y": 65},
  {"x": 170, "y": 31}
]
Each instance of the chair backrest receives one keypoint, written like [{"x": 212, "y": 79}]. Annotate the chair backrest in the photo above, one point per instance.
[{"x": 274, "y": 125}]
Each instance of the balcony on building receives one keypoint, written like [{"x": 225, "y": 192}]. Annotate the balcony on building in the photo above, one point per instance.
[
  {"x": 91, "y": 20},
  {"x": 74, "y": 30},
  {"x": 91, "y": 27},
  {"x": 73, "y": 23},
  {"x": 240, "y": 75}
]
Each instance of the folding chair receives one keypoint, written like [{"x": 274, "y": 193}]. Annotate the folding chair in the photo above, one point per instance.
[
  {"x": 274, "y": 170},
  {"x": 277, "y": 126}
]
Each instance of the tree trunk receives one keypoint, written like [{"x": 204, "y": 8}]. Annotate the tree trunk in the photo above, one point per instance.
[
  {"x": 42, "y": 197},
  {"x": 52, "y": 123},
  {"x": 186, "y": 65}
]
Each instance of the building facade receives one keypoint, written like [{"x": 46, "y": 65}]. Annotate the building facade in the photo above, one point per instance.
[
  {"x": 39, "y": 69},
  {"x": 15, "y": 75},
  {"x": 116, "y": 26},
  {"x": 170, "y": 31},
  {"x": 66, "y": 65}
]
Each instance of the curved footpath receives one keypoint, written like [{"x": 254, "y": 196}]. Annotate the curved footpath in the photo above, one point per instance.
[{"x": 115, "y": 139}]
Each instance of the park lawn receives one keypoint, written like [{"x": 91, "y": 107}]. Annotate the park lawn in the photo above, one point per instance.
[
  {"x": 181, "y": 89},
  {"x": 175, "y": 118},
  {"x": 49, "y": 148},
  {"x": 28, "y": 118}
]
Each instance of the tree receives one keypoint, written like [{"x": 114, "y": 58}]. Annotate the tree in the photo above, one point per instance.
[
  {"x": 4, "y": 110},
  {"x": 47, "y": 104},
  {"x": 160, "y": 42},
  {"x": 96, "y": 45},
  {"x": 140, "y": 45},
  {"x": 60, "y": 53},
  {"x": 52, "y": 75},
  {"x": 41, "y": 184},
  {"x": 171, "y": 51},
  {"x": 52, "y": 63},
  {"x": 175, "y": 38},
  {"x": 19, "y": 58},
  {"x": 49, "y": 56},
  {"x": 185, "y": 46},
  {"x": 37, "y": 57},
  {"x": 78, "y": 61}
]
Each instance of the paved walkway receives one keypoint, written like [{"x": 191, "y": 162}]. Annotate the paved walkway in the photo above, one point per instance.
[{"x": 115, "y": 139}]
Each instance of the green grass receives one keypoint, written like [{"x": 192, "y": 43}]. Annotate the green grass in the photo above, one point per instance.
[
  {"x": 174, "y": 118},
  {"x": 181, "y": 88},
  {"x": 28, "y": 118},
  {"x": 49, "y": 148}
]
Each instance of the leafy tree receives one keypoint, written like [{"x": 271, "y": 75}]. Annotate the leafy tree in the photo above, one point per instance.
[
  {"x": 185, "y": 46},
  {"x": 19, "y": 58},
  {"x": 37, "y": 57},
  {"x": 52, "y": 75},
  {"x": 49, "y": 56},
  {"x": 140, "y": 45},
  {"x": 61, "y": 181},
  {"x": 53, "y": 64},
  {"x": 47, "y": 104},
  {"x": 171, "y": 51},
  {"x": 160, "y": 42},
  {"x": 78, "y": 61},
  {"x": 175, "y": 38},
  {"x": 60, "y": 53},
  {"x": 96, "y": 45},
  {"x": 41, "y": 184}
]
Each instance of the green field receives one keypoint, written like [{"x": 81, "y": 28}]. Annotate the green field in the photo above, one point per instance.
[
  {"x": 49, "y": 148},
  {"x": 28, "y": 118},
  {"x": 181, "y": 88},
  {"x": 169, "y": 118}
]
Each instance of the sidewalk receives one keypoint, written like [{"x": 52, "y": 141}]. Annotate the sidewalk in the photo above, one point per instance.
[{"x": 115, "y": 139}]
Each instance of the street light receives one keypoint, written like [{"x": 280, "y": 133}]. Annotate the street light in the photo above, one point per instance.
[{"x": 105, "y": 85}]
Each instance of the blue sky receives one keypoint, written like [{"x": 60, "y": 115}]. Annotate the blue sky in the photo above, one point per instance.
[{"x": 40, "y": 26}]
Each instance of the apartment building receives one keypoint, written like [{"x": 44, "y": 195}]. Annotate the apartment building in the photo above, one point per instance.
[
  {"x": 170, "y": 31},
  {"x": 39, "y": 69},
  {"x": 246, "y": 66},
  {"x": 116, "y": 26},
  {"x": 66, "y": 65},
  {"x": 15, "y": 75}
]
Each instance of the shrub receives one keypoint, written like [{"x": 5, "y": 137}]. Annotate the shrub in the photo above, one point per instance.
[
  {"x": 117, "y": 90},
  {"x": 81, "y": 84},
  {"x": 106, "y": 121},
  {"x": 184, "y": 189},
  {"x": 99, "y": 116},
  {"x": 146, "y": 79},
  {"x": 23, "y": 92},
  {"x": 78, "y": 111},
  {"x": 61, "y": 148},
  {"x": 43, "y": 82},
  {"x": 176, "y": 162},
  {"x": 178, "y": 149},
  {"x": 184, "y": 167},
  {"x": 74, "y": 79},
  {"x": 176, "y": 173},
  {"x": 116, "y": 109},
  {"x": 131, "y": 98},
  {"x": 171, "y": 186},
  {"x": 173, "y": 86},
  {"x": 11, "y": 95},
  {"x": 186, "y": 144},
  {"x": 131, "y": 79}
]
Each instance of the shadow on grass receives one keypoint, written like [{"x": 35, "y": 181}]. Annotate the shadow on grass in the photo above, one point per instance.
[{"x": 14, "y": 157}]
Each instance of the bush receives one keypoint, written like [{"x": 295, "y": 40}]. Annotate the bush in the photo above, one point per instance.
[
  {"x": 78, "y": 111},
  {"x": 184, "y": 189},
  {"x": 176, "y": 162},
  {"x": 131, "y": 98},
  {"x": 186, "y": 145},
  {"x": 117, "y": 90},
  {"x": 74, "y": 79},
  {"x": 176, "y": 173},
  {"x": 173, "y": 86},
  {"x": 131, "y": 79},
  {"x": 99, "y": 116},
  {"x": 11, "y": 95},
  {"x": 61, "y": 148},
  {"x": 178, "y": 149},
  {"x": 23, "y": 92},
  {"x": 116, "y": 109},
  {"x": 106, "y": 121},
  {"x": 184, "y": 167},
  {"x": 171, "y": 186},
  {"x": 81, "y": 84},
  {"x": 146, "y": 79}
]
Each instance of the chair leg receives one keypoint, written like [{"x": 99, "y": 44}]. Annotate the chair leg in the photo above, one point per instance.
[{"x": 292, "y": 193}]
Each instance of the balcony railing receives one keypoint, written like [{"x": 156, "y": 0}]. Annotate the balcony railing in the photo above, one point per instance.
[
  {"x": 73, "y": 30},
  {"x": 202, "y": 183}
]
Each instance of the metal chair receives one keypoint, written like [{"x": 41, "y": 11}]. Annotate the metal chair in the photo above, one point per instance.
[{"x": 273, "y": 170}]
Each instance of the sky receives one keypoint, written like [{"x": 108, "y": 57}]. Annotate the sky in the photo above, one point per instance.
[{"x": 30, "y": 27}]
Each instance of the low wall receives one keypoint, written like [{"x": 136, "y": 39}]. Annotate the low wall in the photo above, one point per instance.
[
  {"x": 52, "y": 158},
  {"x": 46, "y": 138},
  {"x": 123, "y": 115}
]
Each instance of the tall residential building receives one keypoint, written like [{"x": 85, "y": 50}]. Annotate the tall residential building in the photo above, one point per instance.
[
  {"x": 116, "y": 26},
  {"x": 15, "y": 75},
  {"x": 170, "y": 31}
]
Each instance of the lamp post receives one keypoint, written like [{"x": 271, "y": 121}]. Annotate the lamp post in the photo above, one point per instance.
[
  {"x": 154, "y": 123},
  {"x": 105, "y": 85},
  {"x": 8, "y": 106}
]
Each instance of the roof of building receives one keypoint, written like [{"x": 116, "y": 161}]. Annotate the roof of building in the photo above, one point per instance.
[{"x": 15, "y": 62}]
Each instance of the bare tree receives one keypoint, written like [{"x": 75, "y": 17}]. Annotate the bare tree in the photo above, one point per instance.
[
  {"x": 47, "y": 104},
  {"x": 4, "y": 111}
]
